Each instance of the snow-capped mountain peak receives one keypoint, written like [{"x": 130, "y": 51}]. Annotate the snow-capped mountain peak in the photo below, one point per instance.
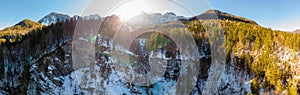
[
  {"x": 155, "y": 18},
  {"x": 170, "y": 16},
  {"x": 53, "y": 18},
  {"x": 90, "y": 17}
]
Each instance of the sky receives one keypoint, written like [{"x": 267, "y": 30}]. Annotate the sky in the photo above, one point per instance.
[{"x": 276, "y": 14}]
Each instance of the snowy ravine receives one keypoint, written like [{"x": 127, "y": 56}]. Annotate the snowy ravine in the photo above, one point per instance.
[{"x": 103, "y": 79}]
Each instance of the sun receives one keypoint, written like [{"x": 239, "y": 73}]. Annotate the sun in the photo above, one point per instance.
[{"x": 131, "y": 9}]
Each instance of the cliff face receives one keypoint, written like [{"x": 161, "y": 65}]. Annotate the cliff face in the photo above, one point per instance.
[{"x": 64, "y": 59}]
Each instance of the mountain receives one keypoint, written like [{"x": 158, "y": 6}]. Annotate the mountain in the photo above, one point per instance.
[
  {"x": 28, "y": 23},
  {"x": 158, "y": 18},
  {"x": 23, "y": 27},
  {"x": 53, "y": 17},
  {"x": 170, "y": 16},
  {"x": 216, "y": 14},
  {"x": 154, "y": 18},
  {"x": 297, "y": 31},
  {"x": 60, "y": 59},
  {"x": 90, "y": 17}
]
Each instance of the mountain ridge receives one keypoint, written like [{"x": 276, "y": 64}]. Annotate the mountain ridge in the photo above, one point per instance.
[
  {"x": 216, "y": 14},
  {"x": 153, "y": 18},
  {"x": 22, "y": 27},
  {"x": 53, "y": 18},
  {"x": 296, "y": 31},
  {"x": 27, "y": 23}
]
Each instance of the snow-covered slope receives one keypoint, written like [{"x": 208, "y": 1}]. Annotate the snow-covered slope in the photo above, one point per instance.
[
  {"x": 90, "y": 17},
  {"x": 53, "y": 74},
  {"x": 154, "y": 18},
  {"x": 53, "y": 18}
]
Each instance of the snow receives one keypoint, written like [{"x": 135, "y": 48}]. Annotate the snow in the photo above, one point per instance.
[
  {"x": 53, "y": 18},
  {"x": 112, "y": 86},
  {"x": 116, "y": 87},
  {"x": 102, "y": 41},
  {"x": 154, "y": 18},
  {"x": 158, "y": 54},
  {"x": 142, "y": 42},
  {"x": 51, "y": 68},
  {"x": 82, "y": 80},
  {"x": 56, "y": 78},
  {"x": 57, "y": 59},
  {"x": 92, "y": 17},
  {"x": 286, "y": 54},
  {"x": 83, "y": 39},
  {"x": 202, "y": 55},
  {"x": 123, "y": 50},
  {"x": 70, "y": 85}
]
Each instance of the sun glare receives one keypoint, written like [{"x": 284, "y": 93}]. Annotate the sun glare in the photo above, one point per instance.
[{"x": 131, "y": 9}]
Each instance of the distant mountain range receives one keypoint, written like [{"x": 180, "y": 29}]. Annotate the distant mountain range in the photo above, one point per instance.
[
  {"x": 142, "y": 19},
  {"x": 155, "y": 18},
  {"x": 54, "y": 17},
  {"x": 158, "y": 18},
  {"x": 297, "y": 31},
  {"x": 146, "y": 18}
]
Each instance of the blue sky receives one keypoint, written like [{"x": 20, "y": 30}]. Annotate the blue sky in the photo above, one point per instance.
[{"x": 276, "y": 14}]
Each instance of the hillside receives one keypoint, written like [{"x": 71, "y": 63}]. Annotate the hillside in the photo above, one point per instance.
[
  {"x": 216, "y": 14},
  {"x": 23, "y": 27},
  {"x": 65, "y": 59},
  {"x": 261, "y": 54}
]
